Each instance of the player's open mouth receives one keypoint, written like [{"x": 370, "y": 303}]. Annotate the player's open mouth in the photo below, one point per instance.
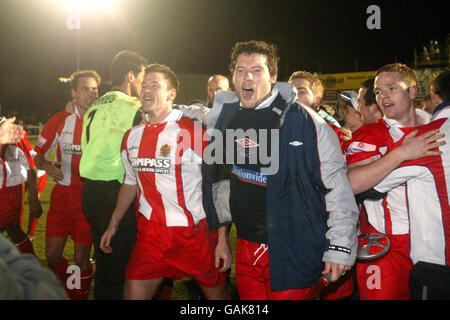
[{"x": 247, "y": 93}]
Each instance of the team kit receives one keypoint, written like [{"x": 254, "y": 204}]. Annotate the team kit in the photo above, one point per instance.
[{"x": 319, "y": 212}]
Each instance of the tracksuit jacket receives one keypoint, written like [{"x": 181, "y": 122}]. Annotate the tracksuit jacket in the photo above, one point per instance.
[{"x": 311, "y": 210}]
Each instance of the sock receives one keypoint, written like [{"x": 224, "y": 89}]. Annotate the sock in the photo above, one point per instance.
[
  {"x": 166, "y": 293},
  {"x": 32, "y": 223},
  {"x": 25, "y": 246},
  {"x": 60, "y": 270},
  {"x": 85, "y": 284}
]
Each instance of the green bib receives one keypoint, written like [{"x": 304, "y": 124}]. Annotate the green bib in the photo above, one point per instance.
[{"x": 104, "y": 125}]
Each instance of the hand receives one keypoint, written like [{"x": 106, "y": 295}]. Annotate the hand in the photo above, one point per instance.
[
  {"x": 337, "y": 270},
  {"x": 105, "y": 241},
  {"x": 10, "y": 132},
  {"x": 54, "y": 170},
  {"x": 223, "y": 253},
  {"x": 35, "y": 208},
  {"x": 414, "y": 147},
  {"x": 347, "y": 134}
]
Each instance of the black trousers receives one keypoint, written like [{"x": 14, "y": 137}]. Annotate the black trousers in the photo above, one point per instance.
[
  {"x": 429, "y": 281},
  {"x": 99, "y": 200}
]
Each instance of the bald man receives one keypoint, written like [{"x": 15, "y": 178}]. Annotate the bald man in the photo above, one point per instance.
[{"x": 216, "y": 82}]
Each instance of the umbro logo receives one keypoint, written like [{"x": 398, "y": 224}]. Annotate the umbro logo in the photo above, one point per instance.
[{"x": 295, "y": 143}]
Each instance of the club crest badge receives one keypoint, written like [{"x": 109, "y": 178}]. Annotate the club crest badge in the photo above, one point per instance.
[{"x": 165, "y": 150}]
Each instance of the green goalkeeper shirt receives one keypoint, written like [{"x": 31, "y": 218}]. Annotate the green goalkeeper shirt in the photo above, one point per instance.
[{"x": 104, "y": 125}]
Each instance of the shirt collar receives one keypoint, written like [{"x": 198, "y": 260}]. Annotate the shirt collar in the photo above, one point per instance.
[
  {"x": 174, "y": 115},
  {"x": 268, "y": 101},
  {"x": 440, "y": 107}
]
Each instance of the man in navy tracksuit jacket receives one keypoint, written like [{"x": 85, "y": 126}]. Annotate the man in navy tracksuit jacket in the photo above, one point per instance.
[{"x": 293, "y": 213}]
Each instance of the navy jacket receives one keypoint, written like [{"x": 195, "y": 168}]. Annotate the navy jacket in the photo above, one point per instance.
[{"x": 311, "y": 210}]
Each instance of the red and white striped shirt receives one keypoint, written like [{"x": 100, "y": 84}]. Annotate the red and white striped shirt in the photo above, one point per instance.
[
  {"x": 15, "y": 161},
  {"x": 63, "y": 130},
  {"x": 428, "y": 188},
  {"x": 164, "y": 160},
  {"x": 390, "y": 214}
]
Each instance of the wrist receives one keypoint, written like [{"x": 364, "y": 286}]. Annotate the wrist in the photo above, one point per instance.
[{"x": 222, "y": 234}]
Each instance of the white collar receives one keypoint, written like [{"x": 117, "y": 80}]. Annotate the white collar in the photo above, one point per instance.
[
  {"x": 394, "y": 126},
  {"x": 266, "y": 103},
  {"x": 174, "y": 115}
]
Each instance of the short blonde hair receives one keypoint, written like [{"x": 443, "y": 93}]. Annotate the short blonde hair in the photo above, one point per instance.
[
  {"x": 316, "y": 84},
  {"x": 408, "y": 75}
]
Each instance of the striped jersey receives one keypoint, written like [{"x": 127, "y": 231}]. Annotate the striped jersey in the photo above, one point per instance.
[
  {"x": 15, "y": 161},
  {"x": 63, "y": 131},
  {"x": 164, "y": 161},
  {"x": 428, "y": 193},
  {"x": 388, "y": 215}
]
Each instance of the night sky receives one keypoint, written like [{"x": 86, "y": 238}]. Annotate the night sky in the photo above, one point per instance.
[{"x": 195, "y": 36}]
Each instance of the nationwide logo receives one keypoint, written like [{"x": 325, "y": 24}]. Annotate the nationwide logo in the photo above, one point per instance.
[
  {"x": 151, "y": 165},
  {"x": 73, "y": 149},
  {"x": 250, "y": 176}
]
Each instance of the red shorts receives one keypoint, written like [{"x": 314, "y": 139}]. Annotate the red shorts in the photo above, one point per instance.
[
  {"x": 253, "y": 274},
  {"x": 175, "y": 252},
  {"x": 65, "y": 216},
  {"x": 386, "y": 278},
  {"x": 340, "y": 289},
  {"x": 11, "y": 205}
]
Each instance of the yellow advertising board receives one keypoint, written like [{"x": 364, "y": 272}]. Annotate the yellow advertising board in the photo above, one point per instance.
[
  {"x": 334, "y": 83},
  {"x": 345, "y": 81}
]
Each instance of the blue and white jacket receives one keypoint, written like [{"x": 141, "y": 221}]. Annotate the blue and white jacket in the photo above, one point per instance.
[{"x": 311, "y": 210}]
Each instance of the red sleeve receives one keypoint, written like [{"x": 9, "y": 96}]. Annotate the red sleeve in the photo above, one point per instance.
[
  {"x": 49, "y": 132},
  {"x": 366, "y": 143},
  {"x": 26, "y": 148}
]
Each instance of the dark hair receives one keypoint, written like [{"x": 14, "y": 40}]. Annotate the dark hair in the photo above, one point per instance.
[
  {"x": 369, "y": 96},
  {"x": 74, "y": 77},
  {"x": 168, "y": 74},
  {"x": 261, "y": 47},
  {"x": 124, "y": 62},
  {"x": 441, "y": 85}
]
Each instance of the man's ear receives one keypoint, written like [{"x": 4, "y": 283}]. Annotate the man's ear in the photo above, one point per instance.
[
  {"x": 413, "y": 91},
  {"x": 172, "y": 94},
  {"x": 273, "y": 79},
  {"x": 129, "y": 76}
]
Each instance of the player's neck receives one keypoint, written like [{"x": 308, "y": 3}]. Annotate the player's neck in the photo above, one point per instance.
[
  {"x": 124, "y": 88},
  {"x": 158, "y": 117},
  {"x": 411, "y": 119}
]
